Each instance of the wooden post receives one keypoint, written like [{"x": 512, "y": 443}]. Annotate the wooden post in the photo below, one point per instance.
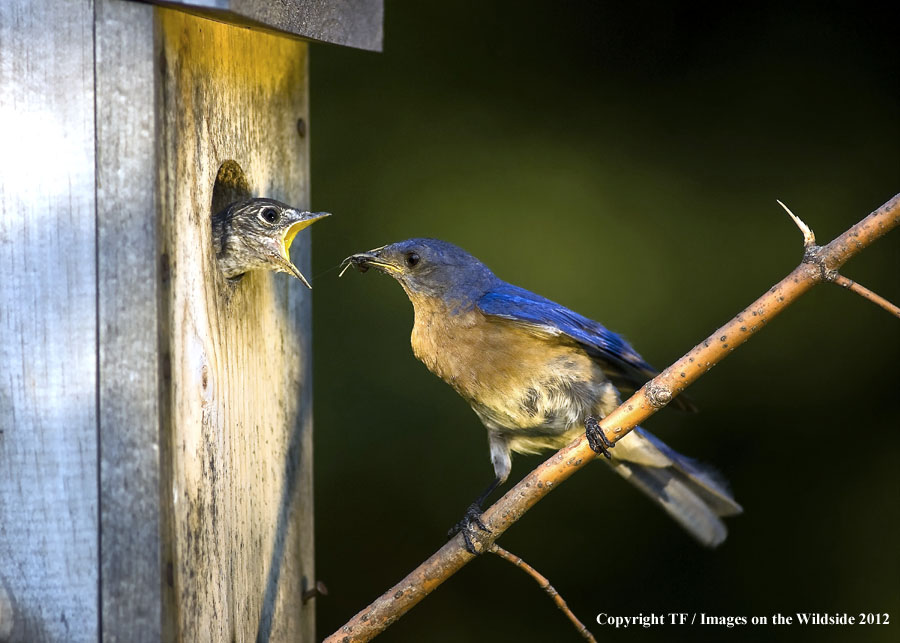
[
  {"x": 155, "y": 419},
  {"x": 240, "y": 436}
]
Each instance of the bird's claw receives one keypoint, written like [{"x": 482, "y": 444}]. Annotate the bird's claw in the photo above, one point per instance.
[
  {"x": 597, "y": 438},
  {"x": 471, "y": 521}
]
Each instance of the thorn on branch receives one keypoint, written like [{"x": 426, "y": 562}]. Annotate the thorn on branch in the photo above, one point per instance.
[
  {"x": 809, "y": 238},
  {"x": 812, "y": 253},
  {"x": 865, "y": 293},
  {"x": 546, "y": 586}
]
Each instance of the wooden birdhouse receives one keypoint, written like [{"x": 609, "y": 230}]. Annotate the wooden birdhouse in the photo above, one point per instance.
[{"x": 155, "y": 417}]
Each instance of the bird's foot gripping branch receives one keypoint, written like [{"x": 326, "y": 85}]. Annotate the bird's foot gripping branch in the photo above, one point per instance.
[
  {"x": 597, "y": 438},
  {"x": 820, "y": 264}
]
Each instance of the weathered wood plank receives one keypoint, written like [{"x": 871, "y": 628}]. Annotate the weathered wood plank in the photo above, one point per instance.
[
  {"x": 48, "y": 324},
  {"x": 127, "y": 264},
  {"x": 236, "y": 412}
]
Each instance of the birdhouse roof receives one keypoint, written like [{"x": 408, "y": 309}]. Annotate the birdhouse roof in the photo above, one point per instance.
[{"x": 352, "y": 23}]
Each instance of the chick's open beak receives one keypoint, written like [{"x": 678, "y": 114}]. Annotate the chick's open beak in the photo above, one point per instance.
[{"x": 301, "y": 220}]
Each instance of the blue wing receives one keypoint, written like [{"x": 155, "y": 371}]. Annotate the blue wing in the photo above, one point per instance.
[{"x": 621, "y": 363}]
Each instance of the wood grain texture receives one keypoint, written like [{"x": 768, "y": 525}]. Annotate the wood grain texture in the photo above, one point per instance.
[
  {"x": 48, "y": 323},
  {"x": 127, "y": 264},
  {"x": 236, "y": 452}
]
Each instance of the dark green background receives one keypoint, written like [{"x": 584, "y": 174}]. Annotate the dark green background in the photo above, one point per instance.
[{"x": 625, "y": 162}]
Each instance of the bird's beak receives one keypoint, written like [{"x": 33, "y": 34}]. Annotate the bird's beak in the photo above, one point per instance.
[
  {"x": 371, "y": 259},
  {"x": 301, "y": 220}
]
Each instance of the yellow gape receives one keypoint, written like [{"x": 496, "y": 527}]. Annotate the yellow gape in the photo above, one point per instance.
[{"x": 292, "y": 231}]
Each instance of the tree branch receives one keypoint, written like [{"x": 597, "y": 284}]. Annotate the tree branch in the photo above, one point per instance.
[
  {"x": 819, "y": 264},
  {"x": 864, "y": 292},
  {"x": 545, "y": 585}
]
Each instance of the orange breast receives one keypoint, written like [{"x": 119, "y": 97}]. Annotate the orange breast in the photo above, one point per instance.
[{"x": 516, "y": 377}]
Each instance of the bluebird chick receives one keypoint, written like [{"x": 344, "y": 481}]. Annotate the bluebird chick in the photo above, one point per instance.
[
  {"x": 536, "y": 373},
  {"x": 256, "y": 234}
]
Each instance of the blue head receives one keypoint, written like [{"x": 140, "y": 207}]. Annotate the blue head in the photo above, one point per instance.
[{"x": 430, "y": 268}]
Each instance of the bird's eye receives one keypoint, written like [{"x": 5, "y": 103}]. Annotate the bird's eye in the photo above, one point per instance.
[
  {"x": 412, "y": 259},
  {"x": 269, "y": 215}
]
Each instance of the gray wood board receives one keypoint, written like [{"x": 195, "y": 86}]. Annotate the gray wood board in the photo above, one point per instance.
[
  {"x": 48, "y": 323},
  {"x": 127, "y": 264}
]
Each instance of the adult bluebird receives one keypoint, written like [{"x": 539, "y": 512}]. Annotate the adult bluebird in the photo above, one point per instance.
[{"x": 537, "y": 374}]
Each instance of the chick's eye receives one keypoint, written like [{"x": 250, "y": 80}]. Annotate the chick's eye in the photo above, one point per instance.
[
  {"x": 269, "y": 215},
  {"x": 412, "y": 259}
]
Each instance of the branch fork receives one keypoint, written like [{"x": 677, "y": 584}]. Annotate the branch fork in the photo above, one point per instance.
[{"x": 813, "y": 254}]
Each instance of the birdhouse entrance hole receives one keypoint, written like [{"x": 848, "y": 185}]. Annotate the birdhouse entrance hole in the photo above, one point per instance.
[{"x": 231, "y": 185}]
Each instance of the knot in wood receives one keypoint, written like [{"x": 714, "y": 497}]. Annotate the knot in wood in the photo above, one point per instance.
[
  {"x": 482, "y": 541},
  {"x": 658, "y": 395},
  {"x": 812, "y": 255}
]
